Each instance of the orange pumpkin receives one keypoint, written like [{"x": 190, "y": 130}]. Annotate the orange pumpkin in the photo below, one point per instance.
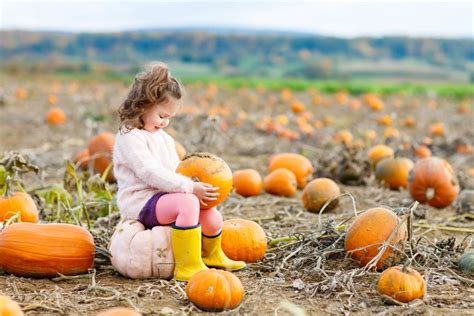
[
  {"x": 44, "y": 250},
  {"x": 280, "y": 182},
  {"x": 401, "y": 284},
  {"x": 344, "y": 137},
  {"x": 298, "y": 164},
  {"x": 369, "y": 231},
  {"x": 82, "y": 158},
  {"x": 100, "y": 149},
  {"x": 119, "y": 311},
  {"x": 437, "y": 129},
  {"x": 391, "y": 132},
  {"x": 393, "y": 172},
  {"x": 18, "y": 202},
  {"x": 243, "y": 240},
  {"x": 180, "y": 150},
  {"x": 215, "y": 290},
  {"x": 55, "y": 116},
  {"x": 378, "y": 153},
  {"x": 318, "y": 192},
  {"x": 247, "y": 182},
  {"x": 422, "y": 151},
  {"x": 432, "y": 181},
  {"x": 9, "y": 307},
  {"x": 208, "y": 168},
  {"x": 297, "y": 106}
]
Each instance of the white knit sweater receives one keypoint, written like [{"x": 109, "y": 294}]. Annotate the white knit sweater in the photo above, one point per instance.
[{"x": 144, "y": 164}]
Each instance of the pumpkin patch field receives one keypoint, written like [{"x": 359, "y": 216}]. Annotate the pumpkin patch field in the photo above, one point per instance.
[{"x": 337, "y": 202}]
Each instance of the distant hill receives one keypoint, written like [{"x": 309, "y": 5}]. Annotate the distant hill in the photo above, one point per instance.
[{"x": 243, "y": 52}]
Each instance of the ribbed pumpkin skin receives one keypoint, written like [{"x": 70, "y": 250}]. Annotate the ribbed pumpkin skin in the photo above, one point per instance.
[
  {"x": 298, "y": 164},
  {"x": 215, "y": 290},
  {"x": 433, "y": 174},
  {"x": 404, "y": 286},
  {"x": 210, "y": 169},
  {"x": 318, "y": 192},
  {"x": 393, "y": 172},
  {"x": 243, "y": 240},
  {"x": 19, "y": 201},
  {"x": 100, "y": 149},
  {"x": 369, "y": 231},
  {"x": 9, "y": 307},
  {"x": 43, "y": 250}
]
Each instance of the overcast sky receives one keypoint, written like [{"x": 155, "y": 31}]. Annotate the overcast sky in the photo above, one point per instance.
[{"x": 336, "y": 18}]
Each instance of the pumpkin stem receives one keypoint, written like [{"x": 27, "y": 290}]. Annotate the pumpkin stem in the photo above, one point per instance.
[
  {"x": 405, "y": 265},
  {"x": 8, "y": 183},
  {"x": 430, "y": 193}
]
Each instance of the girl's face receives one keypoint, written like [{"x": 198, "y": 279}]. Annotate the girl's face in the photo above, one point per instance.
[{"x": 159, "y": 115}]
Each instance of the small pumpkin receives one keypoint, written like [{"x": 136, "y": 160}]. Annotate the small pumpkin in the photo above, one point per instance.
[
  {"x": 369, "y": 231},
  {"x": 215, "y": 290},
  {"x": 247, "y": 182},
  {"x": 298, "y": 164},
  {"x": 280, "y": 182},
  {"x": 18, "y": 202},
  {"x": 82, "y": 158},
  {"x": 55, "y": 116},
  {"x": 44, "y": 250},
  {"x": 208, "y": 168},
  {"x": 100, "y": 149},
  {"x": 432, "y": 181},
  {"x": 378, "y": 153},
  {"x": 466, "y": 262},
  {"x": 422, "y": 151},
  {"x": 9, "y": 307},
  {"x": 393, "y": 172},
  {"x": 318, "y": 192},
  {"x": 243, "y": 240},
  {"x": 403, "y": 284},
  {"x": 119, "y": 311},
  {"x": 180, "y": 150},
  {"x": 437, "y": 129},
  {"x": 140, "y": 253}
]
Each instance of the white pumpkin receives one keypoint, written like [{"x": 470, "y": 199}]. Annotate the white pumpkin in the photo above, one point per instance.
[{"x": 140, "y": 253}]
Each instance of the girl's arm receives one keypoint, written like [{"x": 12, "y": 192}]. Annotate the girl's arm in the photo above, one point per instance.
[{"x": 135, "y": 151}]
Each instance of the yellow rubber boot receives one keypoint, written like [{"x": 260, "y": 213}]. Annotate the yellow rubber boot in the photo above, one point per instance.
[
  {"x": 187, "y": 252},
  {"x": 213, "y": 256}
]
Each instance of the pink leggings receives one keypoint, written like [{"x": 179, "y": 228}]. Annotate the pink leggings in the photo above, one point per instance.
[{"x": 184, "y": 209}]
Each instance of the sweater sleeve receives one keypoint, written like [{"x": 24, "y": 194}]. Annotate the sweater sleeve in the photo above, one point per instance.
[{"x": 135, "y": 150}]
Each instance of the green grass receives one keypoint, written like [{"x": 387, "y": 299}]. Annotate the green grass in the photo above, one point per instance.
[{"x": 355, "y": 87}]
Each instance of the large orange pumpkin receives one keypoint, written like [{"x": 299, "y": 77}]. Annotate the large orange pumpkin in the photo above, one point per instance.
[
  {"x": 401, "y": 284},
  {"x": 318, "y": 192},
  {"x": 280, "y": 182},
  {"x": 9, "y": 307},
  {"x": 208, "y": 168},
  {"x": 298, "y": 164},
  {"x": 247, "y": 182},
  {"x": 393, "y": 172},
  {"x": 378, "y": 153},
  {"x": 243, "y": 240},
  {"x": 215, "y": 290},
  {"x": 432, "y": 181},
  {"x": 18, "y": 202},
  {"x": 44, "y": 250},
  {"x": 369, "y": 231},
  {"x": 100, "y": 149}
]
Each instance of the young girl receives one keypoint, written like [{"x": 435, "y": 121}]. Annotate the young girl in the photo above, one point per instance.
[{"x": 149, "y": 189}]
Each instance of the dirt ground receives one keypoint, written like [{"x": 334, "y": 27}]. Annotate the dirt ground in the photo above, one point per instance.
[{"x": 294, "y": 277}]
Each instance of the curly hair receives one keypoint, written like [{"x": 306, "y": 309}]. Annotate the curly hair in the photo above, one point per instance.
[{"x": 152, "y": 86}]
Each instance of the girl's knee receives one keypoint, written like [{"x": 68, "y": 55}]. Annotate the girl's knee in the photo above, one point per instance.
[{"x": 211, "y": 221}]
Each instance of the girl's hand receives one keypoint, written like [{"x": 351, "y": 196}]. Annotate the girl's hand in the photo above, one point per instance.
[{"x": 205, "y": 192}]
